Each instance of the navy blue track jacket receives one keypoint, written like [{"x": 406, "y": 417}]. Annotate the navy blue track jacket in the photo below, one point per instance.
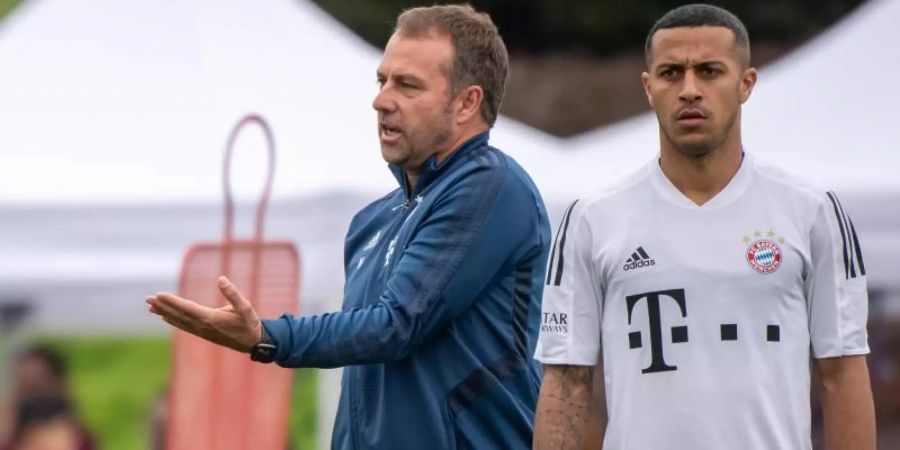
[{"x": 441, "y": 311}]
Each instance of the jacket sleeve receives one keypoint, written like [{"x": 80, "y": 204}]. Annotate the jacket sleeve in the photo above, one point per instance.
[{"x": 482, "y": 225}]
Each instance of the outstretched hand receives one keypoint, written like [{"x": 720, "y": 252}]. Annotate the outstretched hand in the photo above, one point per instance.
[{"x": 235, "y": 325}]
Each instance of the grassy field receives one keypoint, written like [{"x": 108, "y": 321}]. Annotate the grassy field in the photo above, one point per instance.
[
  {"x": 115, "y": 380},
  {"x": 6, "y": 6}
]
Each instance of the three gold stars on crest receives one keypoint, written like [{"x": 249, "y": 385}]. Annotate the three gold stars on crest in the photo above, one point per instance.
[{"x": 758, "y": 234}]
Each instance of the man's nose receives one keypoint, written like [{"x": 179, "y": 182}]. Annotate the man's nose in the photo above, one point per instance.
[
  {"x": 383, "y": 101},
  {"x": 690, "y": 91}
]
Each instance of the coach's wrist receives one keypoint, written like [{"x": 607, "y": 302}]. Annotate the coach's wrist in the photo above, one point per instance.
[{"x": 265, "y": 350}]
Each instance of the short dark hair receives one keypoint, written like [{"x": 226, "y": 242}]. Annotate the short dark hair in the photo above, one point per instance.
[
  {"x": 701, "y": 15},
  {"x": 479, "y": 55},
  {"x": 54, "y": 363}
]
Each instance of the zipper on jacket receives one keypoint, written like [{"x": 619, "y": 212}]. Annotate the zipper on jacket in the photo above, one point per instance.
[
  {"x": 403, "y": 205},
  {"x": 356, "y": 379}
]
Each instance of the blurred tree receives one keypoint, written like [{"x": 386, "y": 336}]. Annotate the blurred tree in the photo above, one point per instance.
[
  {"x": 575, "y": 64},
  {"x": 600, "y": 27},
  {"x": 6, "y": 6}
]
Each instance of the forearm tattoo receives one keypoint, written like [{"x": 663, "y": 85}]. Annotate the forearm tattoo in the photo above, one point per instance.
[{"x": 563, "y": 408}]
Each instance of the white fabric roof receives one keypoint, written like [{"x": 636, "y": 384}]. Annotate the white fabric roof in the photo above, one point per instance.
[{"x": 111, "y": 101}]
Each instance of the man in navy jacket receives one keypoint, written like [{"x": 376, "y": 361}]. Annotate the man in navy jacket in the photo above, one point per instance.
[{"x": 443, "y": 275}]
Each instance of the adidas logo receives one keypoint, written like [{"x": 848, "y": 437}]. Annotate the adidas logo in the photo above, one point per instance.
[{"x": 639, "y": 259}]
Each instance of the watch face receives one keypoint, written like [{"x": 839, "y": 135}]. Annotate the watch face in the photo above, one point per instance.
[{"x": 264, "y": 353}]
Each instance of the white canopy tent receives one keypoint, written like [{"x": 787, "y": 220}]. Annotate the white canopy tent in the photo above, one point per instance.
[
  {"x": 112, "y": 124},
  {"x": 108, "y": 101}
]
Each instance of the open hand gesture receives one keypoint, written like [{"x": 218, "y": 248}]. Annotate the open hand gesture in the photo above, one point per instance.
[{"x": 235, "y": 325}]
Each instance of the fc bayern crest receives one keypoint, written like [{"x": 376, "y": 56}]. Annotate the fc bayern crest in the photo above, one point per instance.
[{"x": 764, "y": 256}]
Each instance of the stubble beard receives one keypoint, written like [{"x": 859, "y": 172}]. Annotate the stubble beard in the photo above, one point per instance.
[
  {"x": 434, "y": 137},
  {"x": 704, "y": 146}
]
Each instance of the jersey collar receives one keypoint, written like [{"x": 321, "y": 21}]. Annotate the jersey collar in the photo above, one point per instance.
[{"x": 735, "y": 187}]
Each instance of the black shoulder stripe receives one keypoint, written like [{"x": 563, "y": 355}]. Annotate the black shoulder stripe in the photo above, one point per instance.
[
  {"x": 849, "y": 244},
  {"x": 837, "y": 215},
  {"x": 556, "y": 241},
  {"x": 859, "y": 256},
  {"x": 562, "y": 247}
]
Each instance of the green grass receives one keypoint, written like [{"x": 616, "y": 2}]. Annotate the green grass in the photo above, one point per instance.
[
  {"x": 6, "y": 6},
  {"x": 115, "y": 379}
]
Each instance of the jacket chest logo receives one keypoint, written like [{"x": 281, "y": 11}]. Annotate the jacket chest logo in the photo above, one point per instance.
[
  {"x": 391, "y": 246},
  {"x": 390, "y": 251}
]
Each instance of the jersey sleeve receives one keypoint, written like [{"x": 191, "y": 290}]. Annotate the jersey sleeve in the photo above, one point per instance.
[
  {"x": 836, "y": 284},
  {"x": 571, "y": 308}
]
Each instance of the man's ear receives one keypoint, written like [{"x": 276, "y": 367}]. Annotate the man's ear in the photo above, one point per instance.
[
  {"x": 748, "y": 81},
  {"x": 645, "y": 81},
  {"x": 469, "y": 102}
]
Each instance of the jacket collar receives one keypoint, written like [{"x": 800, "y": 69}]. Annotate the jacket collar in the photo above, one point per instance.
[{"x": 431, "y": 170}]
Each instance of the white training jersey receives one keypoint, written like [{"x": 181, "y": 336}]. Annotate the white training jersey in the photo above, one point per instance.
[{"x": 708, "y": 315}]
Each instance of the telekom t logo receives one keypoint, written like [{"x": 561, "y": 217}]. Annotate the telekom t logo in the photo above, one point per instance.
[{"x": 679, "y": 333}]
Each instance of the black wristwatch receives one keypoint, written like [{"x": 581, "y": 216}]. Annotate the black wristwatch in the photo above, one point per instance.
[{"x": 265, "y": 350}]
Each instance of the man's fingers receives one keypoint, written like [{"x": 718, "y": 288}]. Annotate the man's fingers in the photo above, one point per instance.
[
  {"x": 155, "y": 310},
  {"x": 235, "y": 325},
  {"x": 183, "y": 309},
  {"x": 187, "y": 307},
  {"x": 171, "y": 316},
  {"x": 160, "y": 308},
  {"x": 180, "y": 325},
  {"x": 183, "y": 322},
  {"x": 239, "y": 302},
  {"x": 150, "y": 300},
  {"x": 210, "y": 334}
]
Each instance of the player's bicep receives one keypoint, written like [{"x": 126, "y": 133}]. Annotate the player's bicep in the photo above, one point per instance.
[
  {"x": 570, "y": 310},
  {"x": 836, "y": 284}
]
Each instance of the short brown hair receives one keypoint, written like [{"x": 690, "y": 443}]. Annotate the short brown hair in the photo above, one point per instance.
[{"x": 479, "y": 55}]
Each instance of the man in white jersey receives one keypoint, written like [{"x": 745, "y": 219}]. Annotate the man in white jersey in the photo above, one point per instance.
[{"x": 711, "y": 280}]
